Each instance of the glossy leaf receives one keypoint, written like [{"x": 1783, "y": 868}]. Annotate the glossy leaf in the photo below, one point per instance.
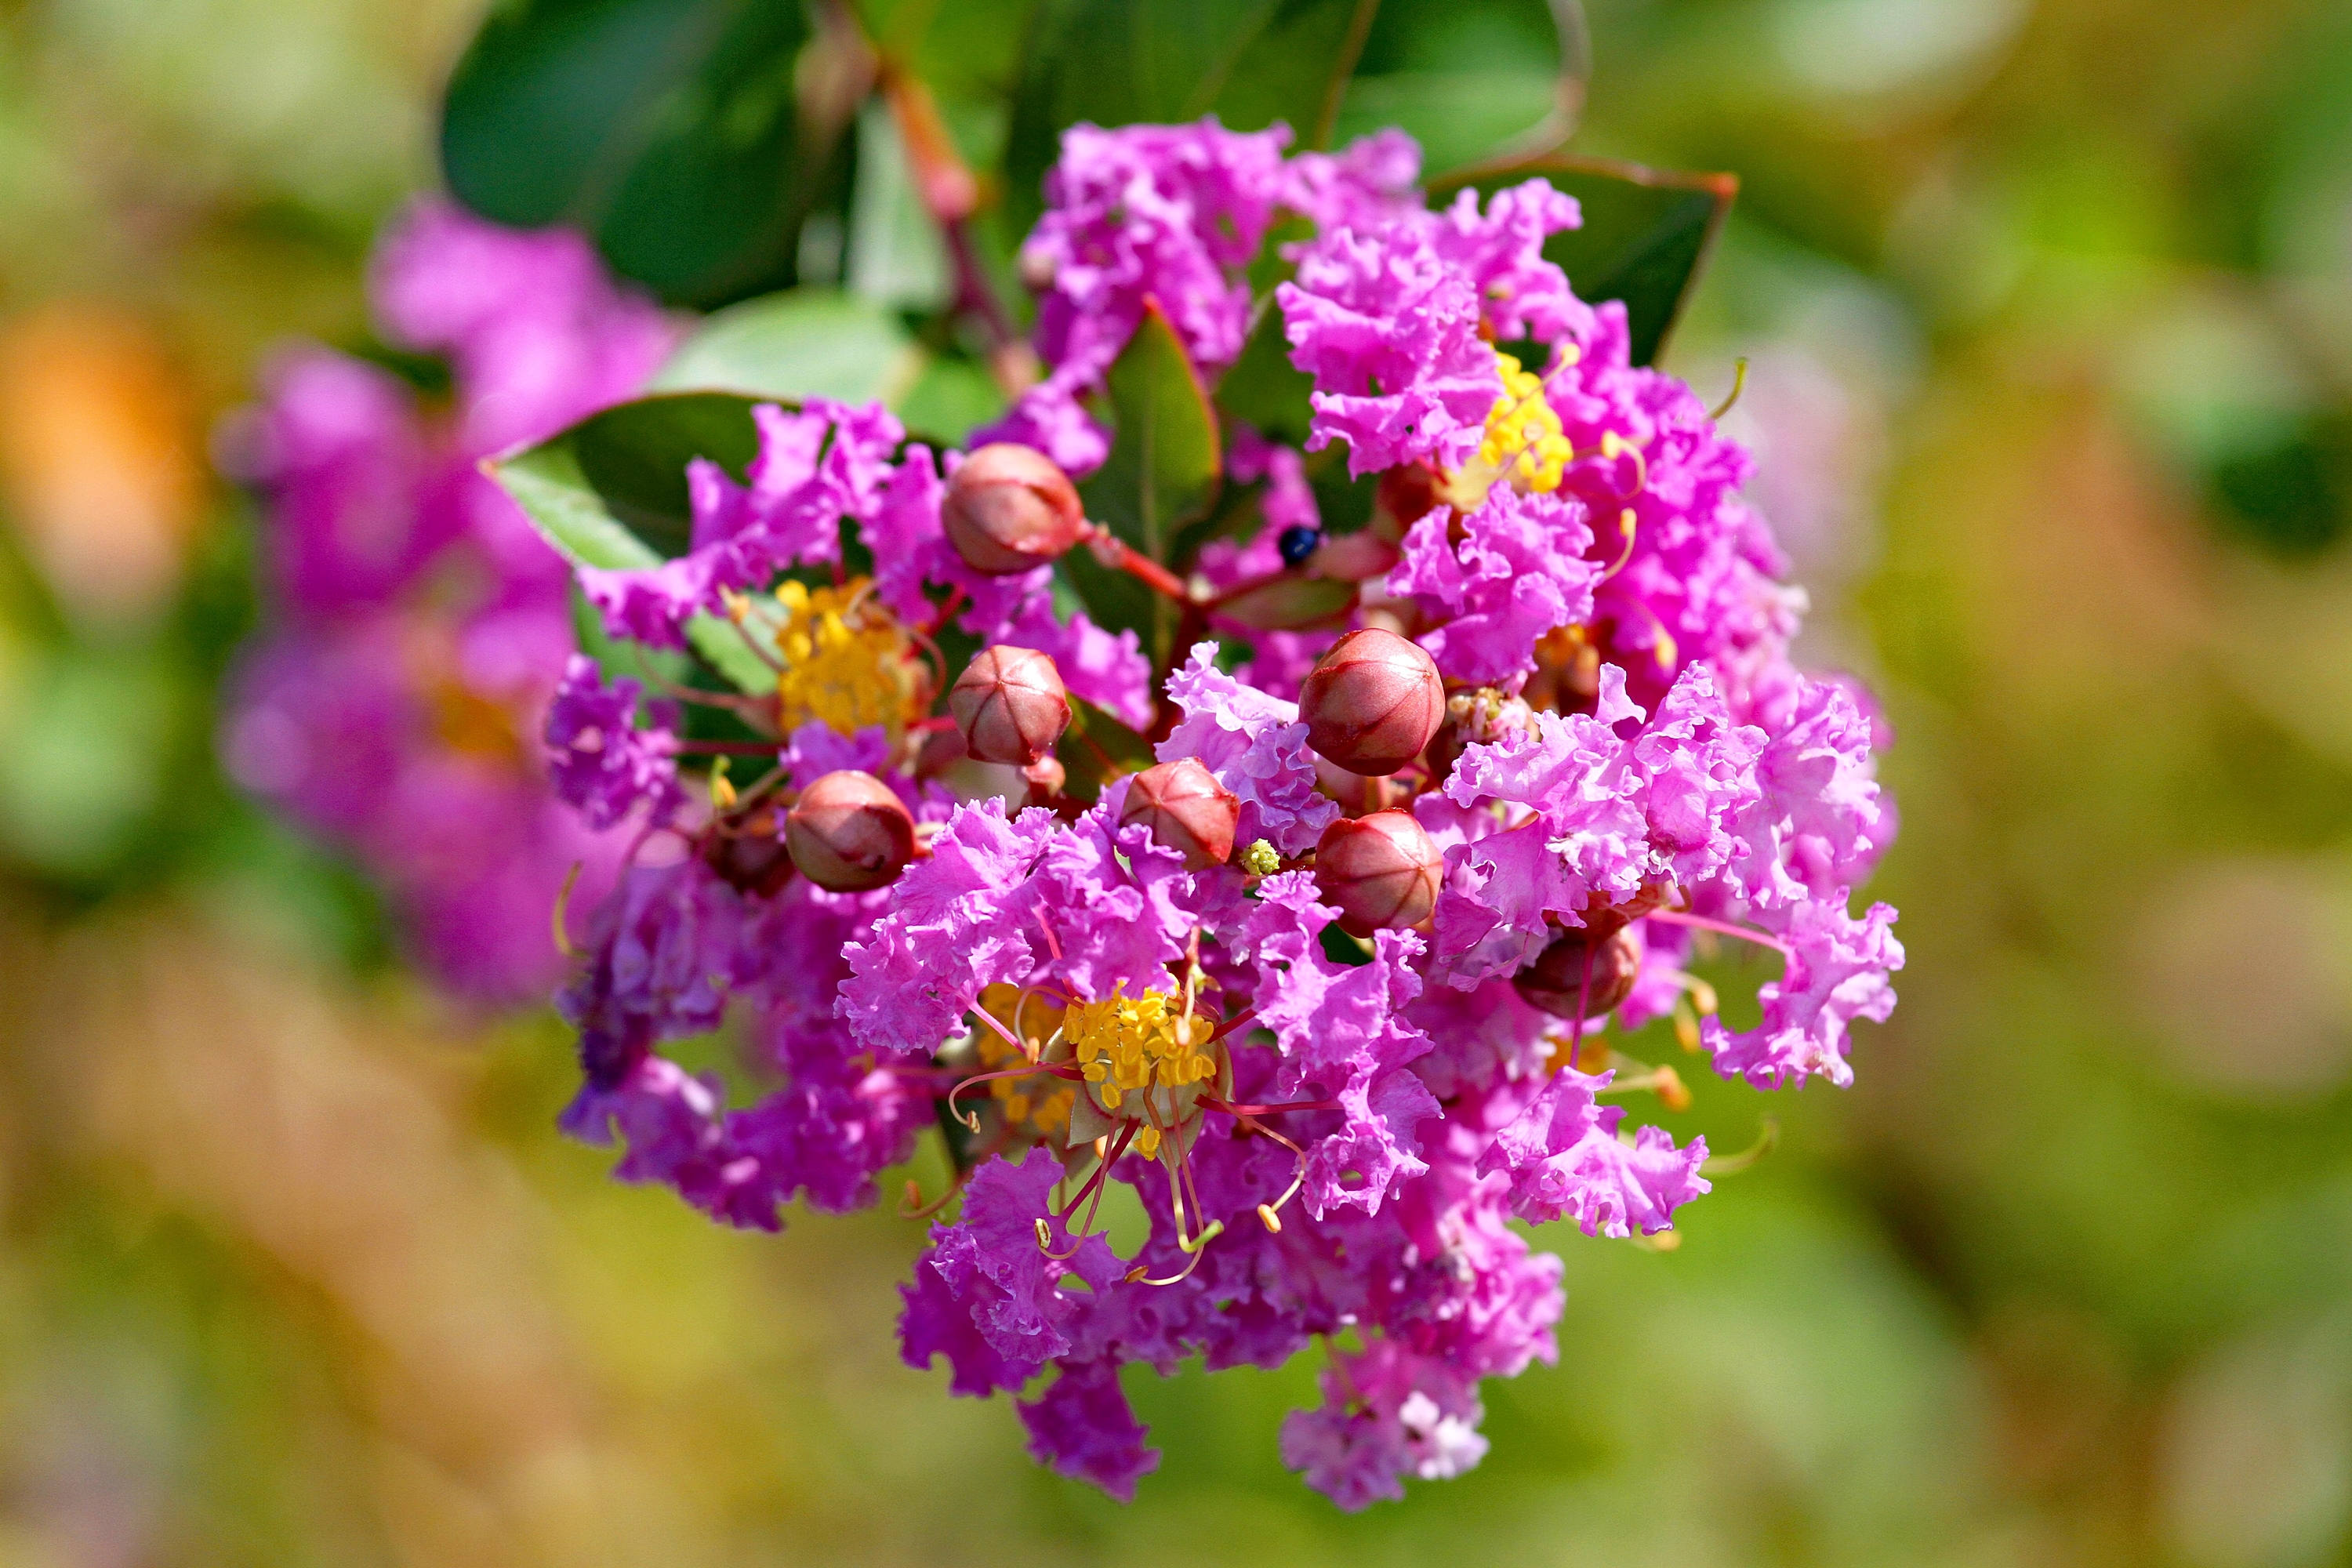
[
  {"x": 684, "y": 135},
  {"x": 1120, "y": 62},
  {"x": 1470, "y": 80},
  {"x": 1647, "y": 234},
  {"x": 611, "y": 492},
  {"x": 1166, "y": 458},
  {"x": 1097, "y": 748},
  {"x": 1165, "y": 466},
  {"x": 1263, "y": 389},
  {"x": 800, "y": 342},
  {"x": 1290, "y": 603}
]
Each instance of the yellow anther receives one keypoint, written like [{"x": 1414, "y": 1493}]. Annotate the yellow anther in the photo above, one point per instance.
[
  {"x": 1131, "y": 1044},
  {"x": 1039, "y": 1105},
  {"x": 847, "y": 662},
  {"x": 723, "y": 788},
  {"x": 1524, "y": 444}
]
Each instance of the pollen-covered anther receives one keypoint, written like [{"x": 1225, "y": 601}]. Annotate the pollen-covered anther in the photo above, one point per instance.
[
  {"x": 1009, "y": 508},
  {"x": 848, "y": 664},
  {"x": 1185, "y": 809},
  {"x": 1145, "y": 1059},
  {"x": 849, "y": 832},
  {"x": 1524, "y": 446},
  {"x": 1372, "y": 702},
  {"x": 1010, "y": 705},
  {"x": 1381, "y": 871},
  {"x": 1523, "y": 436}
]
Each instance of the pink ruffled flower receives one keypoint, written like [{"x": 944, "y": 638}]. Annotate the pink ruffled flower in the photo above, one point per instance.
[
  {"x": 1518, "y": 571},
  {"x": 1256, "y": 746},
  {"x": 1390, "y": 333}
]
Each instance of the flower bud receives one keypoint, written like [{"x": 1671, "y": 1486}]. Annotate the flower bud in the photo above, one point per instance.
[
  {"x": 1186, "y": 809},
  {"x": 751, "y": 858},
  {"x": 848, "y": 832},
  {"x": 1600, "y": 973},
  {"x": 1372, "y": 702},
  {"x": 1008, "y": 509},
  {"x": 1010, "y": 705},
  {"x": 1379, "y": 871},
  {"x": 1047, "y": 778}
]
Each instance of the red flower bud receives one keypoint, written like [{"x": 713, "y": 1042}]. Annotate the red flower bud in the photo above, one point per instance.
[
  {"x": 1186, "y": 809},
  {"x": 1379, "y": 871},
  {"x": 848, "y": 832},
  {"x": 1009, "y": 508},
  {"x": 1600, "y": 973},
  {"x": 1372, "y": 702},
  {"x": 1010, "y": 705},
  {"x": 751, "y": 858},
  {"x": 1047, "y": 778}
]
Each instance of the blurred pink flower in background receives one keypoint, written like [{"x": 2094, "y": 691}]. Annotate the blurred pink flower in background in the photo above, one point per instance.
[{"x": 419, "y": 625}]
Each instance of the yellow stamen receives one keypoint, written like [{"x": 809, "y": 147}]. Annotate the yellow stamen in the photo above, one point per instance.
[
  {"x": 1128, "y": 1045},
  {"x": 1039, "y": 1105},
  {"x": 847, "y": 662},
  {"x": 1525, "y": 445}
]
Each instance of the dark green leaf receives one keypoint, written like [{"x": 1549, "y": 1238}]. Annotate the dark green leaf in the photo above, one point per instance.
[
  {"x": 676, "y": 133},
  {"x": 1097, "y": 748},
  {"x": 1121, "y": 62},
  {"x": 1165, "y": 457},
  {"x": 802, "y": 343},
  {"x": 1164, "y": 468},
  {"x": 1469, "y": 79},
  {"x": 1264, "y": 388},
  {"x": 1646, "y": 234},
  {"x": 611, "y": 492}
]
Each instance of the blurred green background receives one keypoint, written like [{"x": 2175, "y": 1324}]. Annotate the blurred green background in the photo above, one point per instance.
[{"x": 2048, "y": 305}]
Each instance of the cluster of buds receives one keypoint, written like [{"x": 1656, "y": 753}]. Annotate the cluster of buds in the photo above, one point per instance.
[{"x": 1326, "y": 931}]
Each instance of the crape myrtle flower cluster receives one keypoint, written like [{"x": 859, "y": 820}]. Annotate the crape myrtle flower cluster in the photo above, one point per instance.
[
  {"x": 1326, "y": 979},
  {"x": 420, "y": 622}
]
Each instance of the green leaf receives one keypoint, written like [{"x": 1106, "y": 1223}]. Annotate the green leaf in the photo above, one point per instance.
[
  {"x": 802, "y": 343},
  {"x": 897, "y": 256},
  {"x": 683, "y": 136},
  {"x": 1121, "y": 62},
  {"x": 611, "y": 492},
  {"x": 1163, "y": 470},
  {"x": 1264, "y": 388},
  {"x": 1165, "y": 460},
  {"x": 1647, "y": 234},
  {"x": 1470, "y": 80},
  {"x": 1097, "y": 748}
]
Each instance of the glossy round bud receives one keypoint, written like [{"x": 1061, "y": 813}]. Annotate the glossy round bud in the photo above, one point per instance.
[
  {"x": 1186, "y": 809},
  {"x": 1009, "y": 508},
  {"x": 1380, "y": 872},
  {"x": 1372, "y": 702},
  {"x": 1010, "y": 705},
  {"x": 849, "y": 832},
  {"x": 1601, "y": 974}
]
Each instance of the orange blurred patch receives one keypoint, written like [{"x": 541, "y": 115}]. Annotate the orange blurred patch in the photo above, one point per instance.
[{"x": 99, "y": 464}]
